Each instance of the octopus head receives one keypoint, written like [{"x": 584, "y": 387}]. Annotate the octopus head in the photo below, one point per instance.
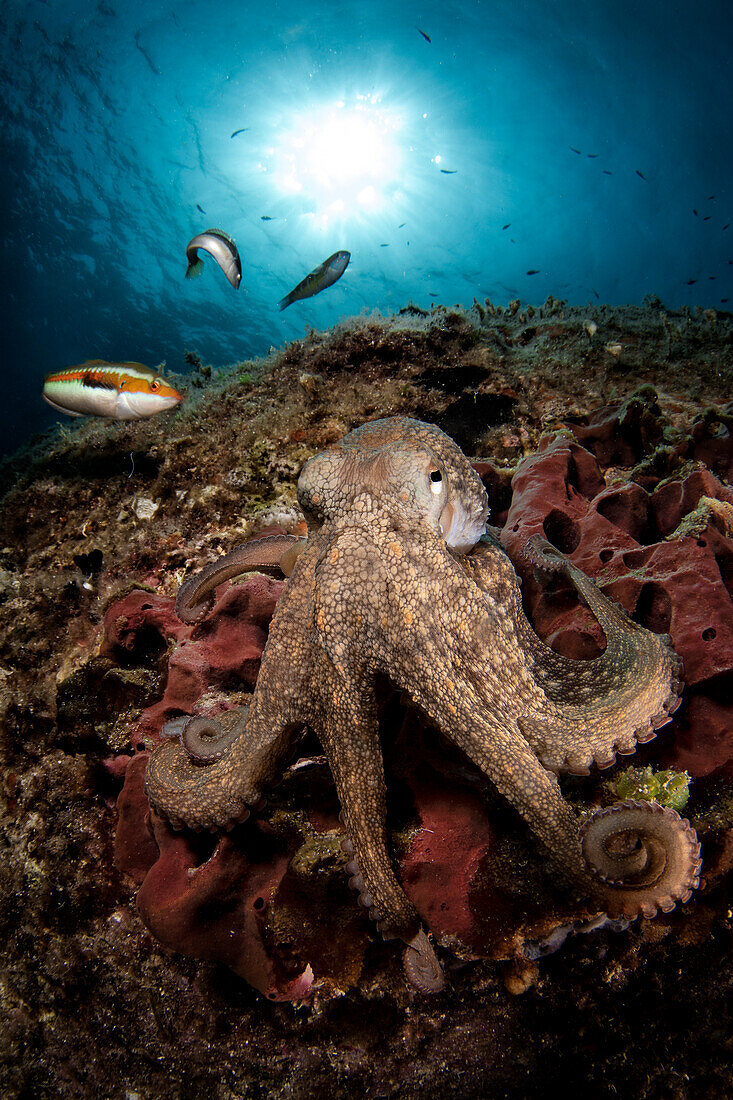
[{"x": 407, "y": 470}]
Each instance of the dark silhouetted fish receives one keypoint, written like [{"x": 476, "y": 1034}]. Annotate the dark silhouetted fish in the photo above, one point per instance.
[
  {"x": 592, "y": 155},
  {"x": 533, "y": 271},
  {"x": 223, "y": 249},
  {"x": 691, "y": 282},
  {"x": 242, "y": 131},
  {"x": 726, "y": 226},
  {"x": 425, "y": 36},
  {"x": 695, "y": 213},
  {"x": 325, "y": 275},
  {"x": 575, "y": 150},
  {"x": 640, "y": 174},
  {"x": 384, "y": 246},
  {"x": 402, "y": 225},
  {"x": 606, "y": 172},
  {"x": 506, "y": 226},
  {"x": 449, "y": 171},
  {"x": 198, "y": 207},
  {"x": 707, "y": 217},
  {"x": 265, "y": 218}
]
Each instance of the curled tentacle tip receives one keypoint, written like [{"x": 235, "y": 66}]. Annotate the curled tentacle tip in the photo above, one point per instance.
[
  {"x": 192, "y": 614},
  {"x": 421, "y": 964},
  {"x": 205, "y": 740},
  {"x": 644, "y": 856}
]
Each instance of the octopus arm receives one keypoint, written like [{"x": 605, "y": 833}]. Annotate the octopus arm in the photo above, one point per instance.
[
  {"x": 220, "y": 790},
  {"x": 210, "y": 778},
  {"x": 643, "y": 857},
  {"x": 631, "y": 858},
  {"x": 345, "y": 719},
  {"x": 274, "y": 554},
  {"x": 589, "y": 710},
  {"x": 482, "y": 706}
]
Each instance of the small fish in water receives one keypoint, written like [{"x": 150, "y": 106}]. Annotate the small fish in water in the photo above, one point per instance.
[
  {"x": 707, "y": 217},
  {"x": 592, "y": 155},
  {"x": 449, "y": 171},
  {"x": 425, "y": 36},
  {"x": 606, "y": 172},
  {"x": 710, "y": 198},
  {"x": 640, "y": 174},
  {"x": 726, "y": 226},
  {"x": 200, "y": 208},
  {"x": 265, "y": 218},
  {"x": 691, "y": 282},
  {"x": 121, "y": 391},
  {"x": 575, "y": 150},
  {"x": 326, "y": 274},
  {"x": 533, "y": 271},
  {"x": 384, "y": 246},
  {"x": 219, "y": 245},
  {"x": 402, "y": 225},
  {"x": 242, "y": 131},
  {"x": 505, "y": 226}
]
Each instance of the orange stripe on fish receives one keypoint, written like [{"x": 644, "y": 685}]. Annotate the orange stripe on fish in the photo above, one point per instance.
[{"x": 121, "y": 391}]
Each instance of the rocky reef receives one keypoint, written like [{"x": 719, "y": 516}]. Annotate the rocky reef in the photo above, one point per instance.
[{"x": 140, "y": 960}]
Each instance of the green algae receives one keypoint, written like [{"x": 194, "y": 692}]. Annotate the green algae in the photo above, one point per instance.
[{"x": 668, "y": 787}]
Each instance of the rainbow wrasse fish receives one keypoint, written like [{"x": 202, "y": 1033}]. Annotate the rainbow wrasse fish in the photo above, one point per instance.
[
  {"x": 120, "y": 391},
  {"x": 326, "y": 274},
  {"x": 223, "y": 249}
]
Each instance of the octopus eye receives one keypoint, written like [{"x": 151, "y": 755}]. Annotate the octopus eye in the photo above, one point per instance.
[{"x": 436, "y": 481}]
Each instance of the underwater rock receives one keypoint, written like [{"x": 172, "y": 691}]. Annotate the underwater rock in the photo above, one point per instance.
[
  {"x": 223, "y": 653},
  {"x": 206, "y": 903},
  {"x": 630, "y": 541}
]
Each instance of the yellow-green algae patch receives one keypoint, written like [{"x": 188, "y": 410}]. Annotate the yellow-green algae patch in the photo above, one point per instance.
[{"x": 668, "y": 787}]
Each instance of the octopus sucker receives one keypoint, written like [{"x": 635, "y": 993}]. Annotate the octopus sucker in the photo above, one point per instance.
[
  {"x": 204, "y": 739},
  {"x": 421, "y": 964},
  {"x": 401, "y": 580},
  {"x": 645, "y": 856}
]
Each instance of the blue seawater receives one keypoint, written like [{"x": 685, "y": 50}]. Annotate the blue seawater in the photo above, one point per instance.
[{"x": 448, "y": 168}]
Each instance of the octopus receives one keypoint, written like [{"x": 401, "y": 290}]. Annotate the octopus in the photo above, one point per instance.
[{"x": 400, "y": 578}]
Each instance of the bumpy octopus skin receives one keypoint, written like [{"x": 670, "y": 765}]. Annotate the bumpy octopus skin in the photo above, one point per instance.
[{"x": 398, "y": 578}]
